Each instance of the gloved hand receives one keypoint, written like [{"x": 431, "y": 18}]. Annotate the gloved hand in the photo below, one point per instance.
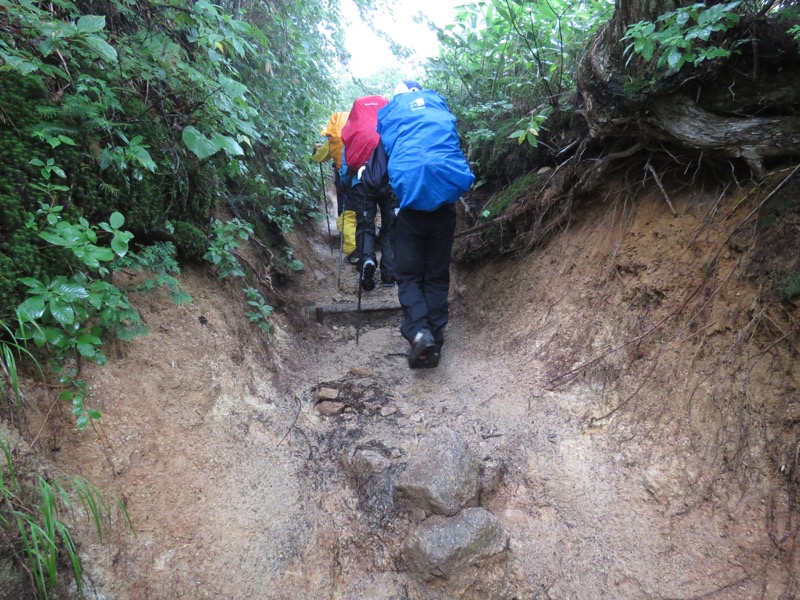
[{"x": 360, "y": 172}]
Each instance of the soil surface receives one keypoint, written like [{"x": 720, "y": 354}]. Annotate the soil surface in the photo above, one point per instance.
[{"x": 624, "y": 387}]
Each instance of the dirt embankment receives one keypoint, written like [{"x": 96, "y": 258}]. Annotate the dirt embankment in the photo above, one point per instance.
[{"x": 629, "y": 392}]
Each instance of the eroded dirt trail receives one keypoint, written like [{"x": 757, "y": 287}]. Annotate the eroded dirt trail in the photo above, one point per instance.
[{"x": 644, "y": 474}]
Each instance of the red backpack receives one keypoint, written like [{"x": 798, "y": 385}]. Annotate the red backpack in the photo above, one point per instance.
[{"x": 360, "y": 134}]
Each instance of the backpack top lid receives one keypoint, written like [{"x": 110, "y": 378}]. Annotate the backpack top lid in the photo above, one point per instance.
[
  {"x": 407, "y": 85},
  {"x": 360, "y": 133},
  {"x": 333, "y": 131}
]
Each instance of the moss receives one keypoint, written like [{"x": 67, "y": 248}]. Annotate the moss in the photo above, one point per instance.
[
  {"x": 790, "y": 289},
  {"x": 500, "y": 201},
  {"x": 191, "y": 243}
]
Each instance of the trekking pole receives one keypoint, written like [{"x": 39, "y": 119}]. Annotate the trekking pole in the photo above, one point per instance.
[
  {"x": 325, "y": 202},
  {"x": 360, "y": 275}
]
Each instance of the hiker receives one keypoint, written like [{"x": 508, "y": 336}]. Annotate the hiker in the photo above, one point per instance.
[
  {"x": 428, "y": 173},
  {"x": 333, "y": 131},
  {"x": 360, "y": 139},
  {"x": 332, "y": 150}
]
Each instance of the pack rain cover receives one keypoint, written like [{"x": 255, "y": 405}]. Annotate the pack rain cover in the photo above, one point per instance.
[
  {"x": 360, "y": 133},
  {"x": 426, "y": 165}
]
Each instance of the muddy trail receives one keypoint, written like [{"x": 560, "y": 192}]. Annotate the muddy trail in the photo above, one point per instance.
[{"x": 619, "y": 387}]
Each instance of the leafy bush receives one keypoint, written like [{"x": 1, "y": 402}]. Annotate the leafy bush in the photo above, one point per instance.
[
  {"x": 682, "y": 36},
  {"x": 224, "y": 242},
  {"x": 74, "y": 313},
  {"x": 504, "y": 67},
  {"x": 154, "y": 114},
  {"x": 260, "y": 311},
  {"x": 159, "y": 261}
]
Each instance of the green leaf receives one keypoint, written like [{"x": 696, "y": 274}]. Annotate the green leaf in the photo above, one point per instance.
[
  {"x": 72, "y": 291},
  {"x": 198, "y": 143},
  {"x": 674, "y": 59},
  {"x": 54, "y": 239},
  {"x": 96, "y": 300},
  {"x": 91, "y": 23},
  {"x": 143, "y": 157},
  {"x": 19, "y": 64},
  {"x": 101, "y": 47},
  {"x": 31, "y": 282},
  {"x": 116, "y": 220},
  {"x": 228, "y": 144},
  {"x": 95, "y": 414},
  {"x": 55, "y": 337},
  {"x": 119, "y": 246},
  {"x": 99, "y": 254},
  {"x": 62, "y": 311},
  {"x": 82, "y": 422},
  {"x": 31, "y": 309},
  {"x": 231, "y": 87},
  {"x": 87, "y": 346}
]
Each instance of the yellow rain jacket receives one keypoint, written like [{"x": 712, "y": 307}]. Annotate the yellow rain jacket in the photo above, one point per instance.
[
  {"x": 323, "y": 153},
  {"x": 333, "y": 131}
]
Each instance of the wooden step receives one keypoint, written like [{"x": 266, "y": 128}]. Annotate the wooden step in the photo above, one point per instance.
[{"x": 318, "y": 311}]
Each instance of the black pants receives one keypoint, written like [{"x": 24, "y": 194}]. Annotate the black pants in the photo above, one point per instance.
[
  {"x": 367, "y": 204},
  {"x": 341, "y": 192},
  {"x": 422, "y": 242}
]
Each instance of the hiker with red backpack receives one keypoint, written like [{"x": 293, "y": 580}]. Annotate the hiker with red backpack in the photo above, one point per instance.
[
  {"x": 360, "y": 139},
  {"x": 428, "y": 173}
]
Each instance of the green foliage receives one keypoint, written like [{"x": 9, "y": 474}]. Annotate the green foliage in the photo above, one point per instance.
[
  {"x": 530, "y": 126},
  {"x": 790, "y": 289},
  {"x": 74, "y": 313},
  {"x": 682, "y": 36},
  {"x": 289, "y": 262},
  {"x": 224, "y": 242},
  {"x": 260, "y": 311},
  {"x": 34, "y": 519},
  {"x": 10, "y": 350},
  {"x": 504, "y": 65},
  {"x": 156, "y": 110},
  {"x": 159, "y": 261}
]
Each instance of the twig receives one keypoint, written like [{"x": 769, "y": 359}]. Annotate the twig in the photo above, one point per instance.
[
  {"x": 594, "y": 420},
  {"x": 294, "y": 423},
  {"x": 763, "y": 353},
  {"x": 44, "y": 423},
  {"x": 266, "y": 282},
  {"x": 650, "y": 168}
]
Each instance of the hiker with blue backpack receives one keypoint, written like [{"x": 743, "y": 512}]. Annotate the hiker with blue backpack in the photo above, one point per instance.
[{"x": 428, "y": 173}]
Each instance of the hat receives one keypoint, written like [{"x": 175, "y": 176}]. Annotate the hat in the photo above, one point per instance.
[{"x": 408, "y": 85}]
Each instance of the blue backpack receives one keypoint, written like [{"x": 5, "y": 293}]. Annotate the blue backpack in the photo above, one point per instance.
[{"x": 427, "y": 168}]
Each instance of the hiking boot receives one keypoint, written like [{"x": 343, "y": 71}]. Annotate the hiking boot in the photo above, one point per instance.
[
  {"x": 354, "y": 258},
  {"x": 433, "y": 360},
  {"x": 423, "y": 350},
  {"x": 368, "y": 275},
  {"x": 387, "y": 279}
]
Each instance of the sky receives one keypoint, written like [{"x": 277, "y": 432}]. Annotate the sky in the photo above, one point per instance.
[{"x": 370, "y": 53}]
